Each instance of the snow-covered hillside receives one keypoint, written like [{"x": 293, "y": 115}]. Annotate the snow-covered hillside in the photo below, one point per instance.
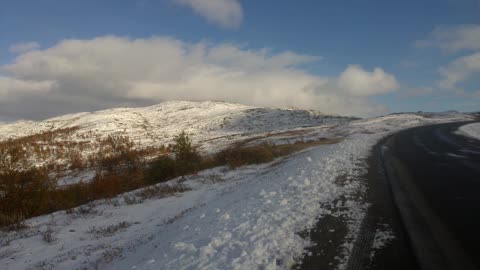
[
  {"x": 212, "y": 126},
  {"x": 249, "y": 218},
  {"x": 156, "y": 125},
  {"x": 472, "y": 130}
]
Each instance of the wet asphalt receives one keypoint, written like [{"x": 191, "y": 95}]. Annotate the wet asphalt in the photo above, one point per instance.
[
  {"x": 442, "y": 168},
  {"x": 427, "y": 190}
]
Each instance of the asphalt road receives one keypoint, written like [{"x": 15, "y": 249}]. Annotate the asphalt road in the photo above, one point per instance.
[
  {"x": 424, "y": 183},
  {"x": 434, "y": 174}
]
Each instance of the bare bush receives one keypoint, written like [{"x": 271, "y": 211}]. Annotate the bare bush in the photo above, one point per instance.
[
  {"x": 48, "y": 235},
  {"x": 86, "y": 210},
  {"x": 23, "y": 194},
  {"x": 213, "y": 178},
  {"x": 27, "y": 191},
  {"x": 161, "y": 191},
  {"x": 108, "y": 256},
  {"x": 132, "y": 199},
  {"x": 109, "y": 230},
  {"x": 118, "y": 153}
]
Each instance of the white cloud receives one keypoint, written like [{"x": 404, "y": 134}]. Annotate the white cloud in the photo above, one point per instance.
[
  {"x": 84, "y": 75},
  {"x": 12, "y": 86},
  {"x": 453, "y": 38},
  {"x": 23, "y": 47},
  {"x": 456, "y": 39},
  {"x": 360, "y": 82},
  {"x": 225, "y": 13},
  {"x": 459, "y": 71}
]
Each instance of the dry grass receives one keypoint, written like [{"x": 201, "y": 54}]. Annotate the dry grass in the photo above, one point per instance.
[
  {"x": 109, "y": 230},
  {"x": 25, "y": 193},
  {"x": 266, "y": 152},
  {"x": 161, "y": 191},
  {"x": 154, "y": 192}
]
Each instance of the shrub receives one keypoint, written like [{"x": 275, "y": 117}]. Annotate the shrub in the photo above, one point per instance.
[
  {"x": 240, "y": 156},
  {"x": 186, "y": 161},
  {"x": 186, "y": 157},
  {"x": 27, "y": 191},
  {"x": 161, "y": 169},
  {"x": 48, "y": 235},
  {"x": 84, "y": 210},
  {"x": 76, "y": 160},
  {"x": 23, "y": 194},
  {"x": 117, "y": 153},
  {"x": 12, "y": 157}
]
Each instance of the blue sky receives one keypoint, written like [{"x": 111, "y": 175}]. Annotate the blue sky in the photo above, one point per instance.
[{"x": 336, "y": 47}]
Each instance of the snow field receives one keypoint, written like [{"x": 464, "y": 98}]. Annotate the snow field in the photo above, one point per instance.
[
  {"x": 248, "y": 220},
  {"x": 472, "y": 130}
]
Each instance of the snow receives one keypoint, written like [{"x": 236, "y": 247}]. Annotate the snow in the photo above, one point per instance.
[
  {"x": 71, "y": 178},
  {"x": 247, "y": 218},
  {"x": 383, "y": 236},
  {"x": 212, "y": 124},
  {"x": 471, "y": 130}
]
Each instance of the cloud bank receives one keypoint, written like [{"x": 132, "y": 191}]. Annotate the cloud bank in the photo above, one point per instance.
[
  {"x": 224, "y": 13},
  {"x": 460, "y": 70},
  {"x": 23, "y": 47},
  {"x": 456, "y": 39},
  {"x": 85, "y": 75},
  {"x": 459, "y": 39},
  {"x": 453, "y": 38}
]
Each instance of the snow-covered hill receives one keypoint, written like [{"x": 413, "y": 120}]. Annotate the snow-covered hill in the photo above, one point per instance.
[
  {"x": 157, "y": 125},
  {"x": 212, "y": 126}
]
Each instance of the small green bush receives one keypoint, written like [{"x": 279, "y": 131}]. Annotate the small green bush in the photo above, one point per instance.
[
  {"x": 161, "y": 169},
  {"x": 186, "y": 157}
]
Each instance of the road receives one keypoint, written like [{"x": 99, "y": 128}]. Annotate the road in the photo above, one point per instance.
[
  {"x": 424, "y": 183},
  {"x": 434, "y": 175}
]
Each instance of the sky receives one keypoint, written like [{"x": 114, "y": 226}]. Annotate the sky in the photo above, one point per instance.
[{"x": 361, "y": 58}]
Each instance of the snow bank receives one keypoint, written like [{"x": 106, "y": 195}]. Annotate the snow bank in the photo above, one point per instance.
[{"x": 472, "y": 130}]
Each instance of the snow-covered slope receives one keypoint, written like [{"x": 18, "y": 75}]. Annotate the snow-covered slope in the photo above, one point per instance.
[
  {"x": 212, "y": 126},
  {"x": 472, "y": 130},
  {"x": 157, "y": 125}
]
